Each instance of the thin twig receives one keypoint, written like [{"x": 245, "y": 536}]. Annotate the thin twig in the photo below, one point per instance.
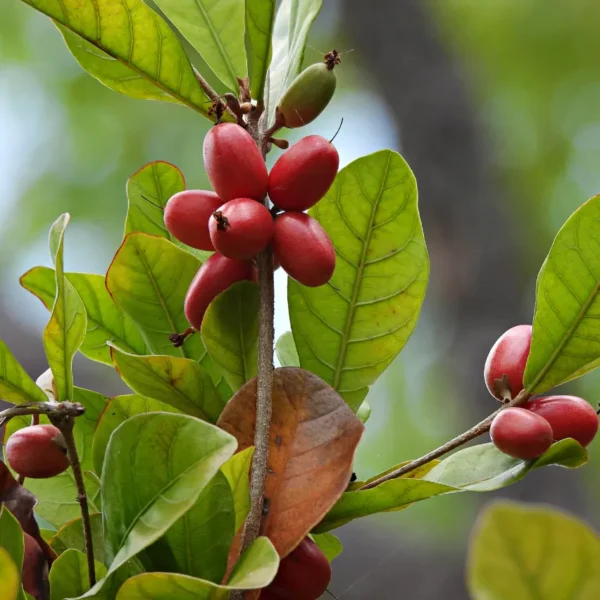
[
  {"x": 71, "y": 409},
  {"x": 454, "y": 443},
  {"x": 65, "y": 424}
]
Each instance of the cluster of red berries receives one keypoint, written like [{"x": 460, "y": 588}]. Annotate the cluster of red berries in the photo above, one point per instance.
[
  {"x": 37, "y": 452},
  {"x": 303, "y": 574},
  {"x": 234, "y": 221},
  {"x": 529, "y": 431}
]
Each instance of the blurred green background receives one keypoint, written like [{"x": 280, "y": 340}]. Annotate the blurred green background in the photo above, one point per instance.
[{"x": 496, "y": 106}]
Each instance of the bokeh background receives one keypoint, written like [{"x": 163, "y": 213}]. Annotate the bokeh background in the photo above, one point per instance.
[{"x": 495, "y": 105}]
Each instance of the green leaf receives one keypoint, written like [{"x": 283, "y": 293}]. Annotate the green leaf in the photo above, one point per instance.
[
  {"x": 216, "y": 29},
  {"x": 350, "y": 330},
  {"x": 127, "y": 47},
  {"x": 260, "y": 17},
  {"x": 170, "y": 460},
  {"x": 149, "y": 278},
  {"x": 287, "y": 354},
  {"x": 118, "y": 410},
  {"x": 179, "y": 382},
  {"x": 106, "y": 322},
  {"x": 484, "y": 468},
  {"x": 566, "y": 325},
  {"x": 329, "y": 545},
  {"x": 68, "y": 322},
  {"x": 364, "y": 412},
  {"x": 15, "y": 384},
  {"x": 481, "y": 468},
  {"x": 9, "y": 576},
  {"x": 256, "y": 569},
  {"x": 148, "y": 192},
  {"x": 237, "y": 472},
  {"x": 70, "y": 535},
  {"x": 57, "y": 496},
  {"x": 11, "y": 541},
  {"x": 198, "y": 543},
  {"x": 69, "y": 575},
  {"x": 112, "y": 583},
  {"x": 230, "y": 332},
  {"x": 290, "y": 34},
  {"x": 526, "y": 552}
]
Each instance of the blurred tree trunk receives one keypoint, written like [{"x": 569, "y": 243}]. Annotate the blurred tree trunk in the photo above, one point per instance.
[{"x": 476, "y": 281}]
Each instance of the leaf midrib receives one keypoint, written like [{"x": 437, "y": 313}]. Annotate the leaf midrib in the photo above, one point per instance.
[
  {"x": 159, "y": 295},
  {"x": 144, "y": 75},
  {"x": 217, "y": 40},
  {"x": 358, "y": 282},
  {"x": 576, "y": 322}
]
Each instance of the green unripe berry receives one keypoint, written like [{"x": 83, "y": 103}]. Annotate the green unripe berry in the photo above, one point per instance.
[{"x": 307, "y": 96}]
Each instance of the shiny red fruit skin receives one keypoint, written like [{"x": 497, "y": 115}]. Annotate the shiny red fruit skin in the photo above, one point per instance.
[
  {"x": 216, "y": 275},
  {"x": 303, "y": 249},
  {"x": 234, "y": 163},
  {"x": 569, "y": 417},
  {"x": 303, "y": 174},
  {"x": 304, "y": 574},
  {"x": 37, "y": 452},
  {"x": 35, "y": 568},
  {"x": 250, "y": 228},
  {"x": 508, "y": 356},
  {"x": 187, "y": 214},
  {"x": 521, "y": 433}
]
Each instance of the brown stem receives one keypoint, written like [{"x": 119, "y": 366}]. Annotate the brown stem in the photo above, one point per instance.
[
  {"x": 264, "y": 389},
  {"x": 50, "y": 409},
  {"x": 65, "y": 424},
  {"x": 454, "y": 443}
]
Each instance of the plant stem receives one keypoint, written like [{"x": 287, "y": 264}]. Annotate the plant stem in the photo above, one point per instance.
[
  {"x": 264, "y": 386},
  {"x": 264, "y": 391},
  {"x": 65, "y": 424},
  {"x": 454, "y": 443},
  {"x": 50, "y": 409}
]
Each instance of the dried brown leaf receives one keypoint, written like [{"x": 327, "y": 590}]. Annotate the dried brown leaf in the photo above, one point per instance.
[{"x": 313, "y": 438}]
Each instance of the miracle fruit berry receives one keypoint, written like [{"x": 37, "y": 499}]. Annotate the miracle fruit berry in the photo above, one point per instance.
[
  {"x": 241, "y": 228},
  {"x": 569, "y": 417},
  {"x": 303, "y": 249},
  {"x": 187, "y": 214},
  {"x": 508, "y": 356},
  {"x": 303, "y": 574},
  {"x": 34, "y": 573},
  {"x": 303, "y": 174},
  {"x": 37, "y": 452},
  {"x": 307, "y": 96},
  {"x": 521, "y": 433},
  {"x": 216, "y": 275},
  {"x": 234, "y": 163}
]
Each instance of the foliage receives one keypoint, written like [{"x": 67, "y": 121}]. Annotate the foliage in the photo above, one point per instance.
[{"x": 167, "y": 467}]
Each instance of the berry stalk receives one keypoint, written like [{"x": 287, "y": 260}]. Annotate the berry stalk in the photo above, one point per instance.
[
  {"x": 65, "y": 423},
  {"x": 460, "y": 440}
]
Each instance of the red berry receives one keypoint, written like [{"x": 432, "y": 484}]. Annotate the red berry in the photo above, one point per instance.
[
  {"x": 187, "y": 214},
  {"x": 213, "y": 277},
  {"x": 521, "y": 433},
  {"x": 234, "y": 163},
  {"x": 303, "y": 249},
  {"x": 241, "y": 228},
  {"x": 34, "y": 573},
  {"x": 304, "y": 574},
  {"x": 37, "y": 452},
  {"x": 302, "y": 176},
  {"x": 508, "y": 356},
  {"x": 569, "y": 417}
]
